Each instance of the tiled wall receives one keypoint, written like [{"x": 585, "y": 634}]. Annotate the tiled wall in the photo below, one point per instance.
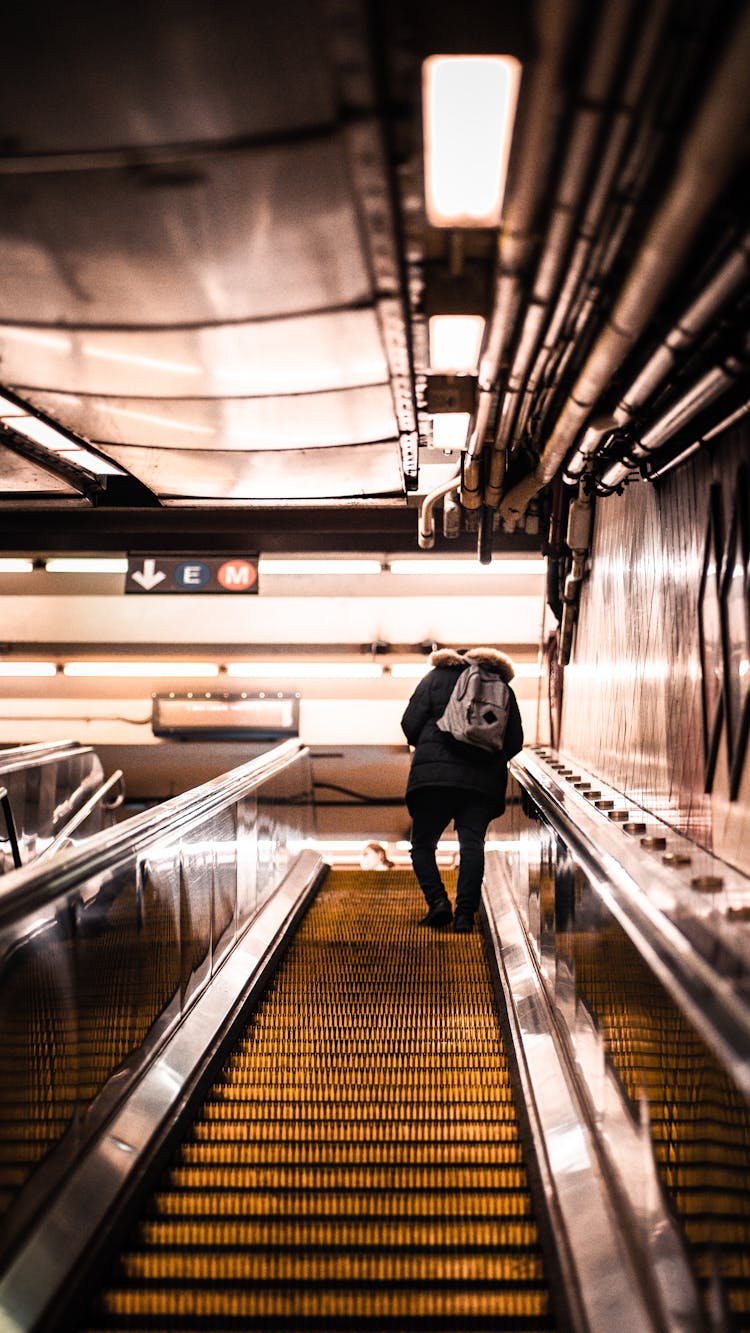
[{"x": 632, "y": 709}]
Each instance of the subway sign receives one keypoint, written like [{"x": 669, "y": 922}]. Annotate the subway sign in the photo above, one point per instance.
[{"x": 192, "y": 573}]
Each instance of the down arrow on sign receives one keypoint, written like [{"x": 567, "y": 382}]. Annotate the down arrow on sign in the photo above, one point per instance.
[{"x": 149, "y": 576}]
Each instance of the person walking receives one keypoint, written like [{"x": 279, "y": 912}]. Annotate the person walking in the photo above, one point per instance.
[{"x": 452, "y": 780}]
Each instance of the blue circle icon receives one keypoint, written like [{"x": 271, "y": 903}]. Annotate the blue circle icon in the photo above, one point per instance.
[{"x": 192, "y": 574}]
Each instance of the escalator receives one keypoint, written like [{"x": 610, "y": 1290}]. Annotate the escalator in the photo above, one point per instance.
[
  {"x": 243, "y": 1093},
  {"x": 358, "y": 1159}
]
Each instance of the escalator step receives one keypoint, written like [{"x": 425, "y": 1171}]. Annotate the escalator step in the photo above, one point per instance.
[{"x": 358, "y": 1159}]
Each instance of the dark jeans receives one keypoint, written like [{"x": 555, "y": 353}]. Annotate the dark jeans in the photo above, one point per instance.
[{"x": 432, "y": 809}]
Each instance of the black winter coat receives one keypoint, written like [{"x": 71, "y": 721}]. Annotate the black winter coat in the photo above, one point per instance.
[{"x": 441, "y": 761}]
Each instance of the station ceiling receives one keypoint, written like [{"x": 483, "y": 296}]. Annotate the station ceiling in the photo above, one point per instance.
[{"x": 217, "y": 269}]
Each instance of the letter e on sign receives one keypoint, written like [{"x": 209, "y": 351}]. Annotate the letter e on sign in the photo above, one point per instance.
[
  {"x": 237, "y": 575},
  {"x": 192, "y": 574}
]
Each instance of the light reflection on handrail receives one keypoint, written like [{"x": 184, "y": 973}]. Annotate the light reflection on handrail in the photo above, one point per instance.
[
  {"x": 80, "y": 817},
  {"x": 661, "y": 931},
  {"x": 30, "y": 888}
]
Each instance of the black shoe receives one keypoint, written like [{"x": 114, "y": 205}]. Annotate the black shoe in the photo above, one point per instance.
[
  {"x": 463, "y": 923},
  {"x": 438, "y": 916}
]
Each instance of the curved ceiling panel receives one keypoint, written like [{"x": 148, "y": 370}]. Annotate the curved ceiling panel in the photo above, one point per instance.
[
  {"x": 224, "y": 236},
  {"x": 346, "y": 416},
  {"x": 294, "y": 355},
  {"x": 338, "y": 473},
  {"x": 172, "y": 72}
]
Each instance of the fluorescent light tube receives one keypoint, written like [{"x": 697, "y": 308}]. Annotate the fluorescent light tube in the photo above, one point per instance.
[
  {"x": 190, "y": 669},
  {"x": 85, "y": 565},
  {"x": 10, "y": 565},
  {"x": 410, "y": 670},
  {"x": 435, "y": 566},
  {"x": 28, "y": 669},
  {"x": 309, "y": 670},
  {"x": 455, "y": 341},
  {"x": 413, "y": 670},
  {"x": 270, "y": 565},
  {"x": 469, "y": 105}
]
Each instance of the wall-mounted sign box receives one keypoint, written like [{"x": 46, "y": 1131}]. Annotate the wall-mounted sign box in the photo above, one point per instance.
[
  {"x": 227, "y": 717},
  {"x": 192, "y": 574}
]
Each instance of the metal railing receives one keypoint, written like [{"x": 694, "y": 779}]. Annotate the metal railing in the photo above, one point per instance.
[
  {"x": 46, "y": 786},
  {"x": 105, "y": 948},
  {"x": 636, "y": 866}
]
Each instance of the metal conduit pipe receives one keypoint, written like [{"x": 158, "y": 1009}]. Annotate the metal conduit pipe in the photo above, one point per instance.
[
  {"x": 710, "y": 152},
  {"x": 584, "y": 136},
  {"x": 601, "y": 193},
  {"x": 484, "y": 408},
  {"x": 426, "y": 528},
  {"x": 725, "y": 282},
  {"x": 577, "y": 164},
  {"x": 698, "y": 397},
  {"x": 451, "y": 516},
  {"x": 661, "y": 466},
  {"x": 518, "y": 235},
  {"x": 471, "y": 490},
  {"x": 532, "y": 153}
]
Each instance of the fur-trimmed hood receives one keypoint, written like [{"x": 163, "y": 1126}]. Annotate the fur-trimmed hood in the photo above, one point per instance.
[{"x": 449, "y": 657}]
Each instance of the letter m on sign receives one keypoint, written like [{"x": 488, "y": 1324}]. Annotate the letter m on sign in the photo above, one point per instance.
[{"x": 238, "y": 575}]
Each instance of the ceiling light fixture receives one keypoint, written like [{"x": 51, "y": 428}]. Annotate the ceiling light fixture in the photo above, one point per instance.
[
  {"x": 469, "y": 105},
  {"x": 437, "y": 567},
  {"x": 413, "y": 670},
  {"x": 270, "y": 565},
  {"x": 86, "y": 565},
  {"x": 455, "y": 342},
  {"x": 28, "y": 669},
  {"x": 450, "y": 430},
  {"x": 13, "y": 565},
  {"x": 308, "y": 670},
  {"x": 135, "y": 669},
  {"x": 409, "y": 670}
]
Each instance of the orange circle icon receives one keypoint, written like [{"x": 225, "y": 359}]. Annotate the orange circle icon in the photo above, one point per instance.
[{"x": 237, "y": 575}]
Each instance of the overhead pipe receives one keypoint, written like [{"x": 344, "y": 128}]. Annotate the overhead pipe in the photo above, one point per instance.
[
  {"x": 722, "y": 286},
  {"x": 710, "y": 153},
  {"x": 516, "y": 242},
  {"x": 582, "y": 142},
  {"x": 578, "y": 278},
  {"x": 657, "y": 468},
  {"x": 530, "y": 162},
  {"x": 426, "y": 527},
  {"x": 696, "y": 399}
]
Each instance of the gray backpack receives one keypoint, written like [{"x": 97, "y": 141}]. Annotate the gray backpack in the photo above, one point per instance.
[{"x": 477, "y": 711}]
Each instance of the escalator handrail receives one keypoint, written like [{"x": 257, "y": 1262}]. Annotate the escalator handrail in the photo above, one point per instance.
[
  {"x": 25, "y": 891},
  {"x": 713, "y": 1002},
  {"x": 59, "y": 840},
  {"x": 26, "y": 756}
]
